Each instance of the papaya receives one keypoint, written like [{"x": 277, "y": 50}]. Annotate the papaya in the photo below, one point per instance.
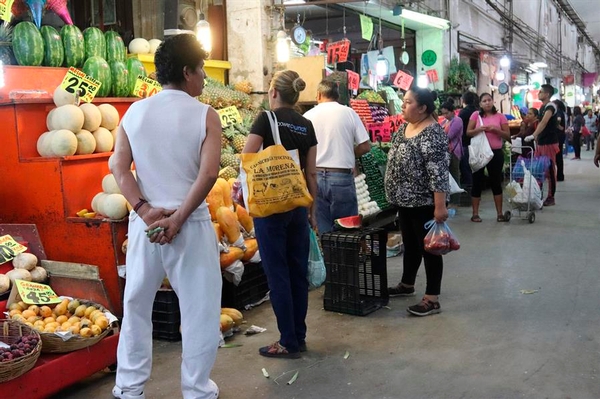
[
  {"x": 218, "y": 231},
  {"x": 214, "y": 199},
  {"x": 226, "y": 323},
  {"x": 235, "y": 315},
  {"x": 228, "y": 222},
  {"x": 226, "y": 192},
  {"x": 251, "y": 249},
  {"x": 245, "y": 220},
  {"x": 227, "y": 258}
]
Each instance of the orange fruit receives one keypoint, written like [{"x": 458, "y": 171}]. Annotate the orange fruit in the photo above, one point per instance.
[
  {"x": 95, "y": 315},
  {"x": 35, "y": 309},
  {"x": 73, "y": 320},
  {"x": 28, "y": 313},
  {"x": 61, "y": 319},
  {"x": 60, "y": 309},
  {"x": 85, "y": 332},
  {"x": 32, "y": 319},
  {"x": 89, "y": 310},
  {"x": 14, "y": 312},
  {"x": 80, "y": 311},
  {"x": 74, "y": 329},
  {"x": 15, "y": 306},
  {"x": 45, "y": 311},
  {"x": 49, "y": 320},
  {"x": 65, "y": 326},
  {"x": 23, "y": 305},
  {"x": 102, "y": 322},
  {"x": 96, "y": 330}
]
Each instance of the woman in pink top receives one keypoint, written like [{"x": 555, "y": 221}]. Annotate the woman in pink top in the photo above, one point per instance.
[{"x": 495, "y": 126}]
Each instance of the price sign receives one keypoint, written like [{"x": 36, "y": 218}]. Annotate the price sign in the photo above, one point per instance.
[
  {"x": 146, "y": 87},
  {"x": 403, "y": 80},
  {"x": 229, "y": 116},
  {"x": 78, "y": 83},
  {"x": 432, "y": 75},
  {"x": 9, "y": 248},
  {"x": 338, "y": 51},
  {"x": 395, "y": 121},
  {"x": 353, "y": 80},
  {"x": 379, "y": 132},
  {"x": 35, "y": 293},
  {"x": 5, "y": 8}
]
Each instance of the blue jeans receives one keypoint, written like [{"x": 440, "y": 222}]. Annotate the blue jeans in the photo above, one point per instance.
[
  {"x": 283, "y": 242},
  {"x": 336, "y": 198}
]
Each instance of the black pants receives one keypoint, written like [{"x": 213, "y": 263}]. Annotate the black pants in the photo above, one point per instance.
[
  {"x": 577, "y": 144},
  {"x": 560, "y": 171},
  {"x": 494, "y": 169},
  {"x": 412, "y": 221}
]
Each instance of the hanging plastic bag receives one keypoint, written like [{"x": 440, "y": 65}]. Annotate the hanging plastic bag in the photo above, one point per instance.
[
  {"x": 440, "y": 240},
  {"x": 316, "y": 265},
  {"x": 512, "y": 189},
  {"x": 480, "y": 152},
  {"x": 531, "y": 193},
  {"x": 454, "y": 187}
]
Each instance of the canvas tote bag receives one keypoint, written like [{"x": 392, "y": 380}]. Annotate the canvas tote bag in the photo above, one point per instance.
[
  {"x": 272, "y": 181},
  {"x": 480, "y": 152}
]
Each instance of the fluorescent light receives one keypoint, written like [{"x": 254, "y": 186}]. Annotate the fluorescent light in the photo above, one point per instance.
[
  {"x": 425, "y": 19},
  {"x": 203, "y": 34},
  {"x": 505, "y": 62},
  {"x": 291, "y": 2},
  {"x": 282, "y": 48},
  {"x": 540, "y": 64},
  {"x": 423, "y": 80}
]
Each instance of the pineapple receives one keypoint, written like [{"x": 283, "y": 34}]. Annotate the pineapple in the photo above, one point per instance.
[
  {"x": 228, "y": 173},
  {"x": 230, "y": 160},
  {"x": 244, "y": 86},
  {"x": 7, "y": 56},
  {"x": 238, "y": 143},
  {"x": 228, "y": 149}
]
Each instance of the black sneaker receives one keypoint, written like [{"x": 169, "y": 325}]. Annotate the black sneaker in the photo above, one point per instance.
[
  {"x": 401, "y": 290},
  {"x": 424, "y": 308}
]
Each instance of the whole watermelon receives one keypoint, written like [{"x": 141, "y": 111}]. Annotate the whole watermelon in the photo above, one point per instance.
[
  {"x": 28, "y": 45},
  {"x": 119, "y": 76},
  {"x": 135, "y": 68},
  {"x": 115, "y": 48},
  {"x": 98, "y": 68},
  {"x": 54, "y": 52},
  {"x": 73, "y": 44},
  {"x": 95, "y": 43}
]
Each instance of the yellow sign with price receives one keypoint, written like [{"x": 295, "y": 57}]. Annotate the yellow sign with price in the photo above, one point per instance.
[
  {"x": 229, "y": 116},
  {"x": 78, "y": 83},
  {"x": 35, "y": 293},
  {"x": 146, "y": 87},
  {"x": 5, "y": 8},
  {"x": 9, "y": 248}
]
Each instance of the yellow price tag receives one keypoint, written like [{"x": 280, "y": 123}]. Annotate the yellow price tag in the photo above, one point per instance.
[
  {"x": 5, "y": 9},
  {"x": 9, "y": 248},
  {"x": 35, "y": 293},
  {"x": 229, "y": 116},
  {"x": 78, "y": 83},
  {"x": 146, "y": 87}
]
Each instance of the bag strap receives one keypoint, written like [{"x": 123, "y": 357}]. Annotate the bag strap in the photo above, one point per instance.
[
  {"x": 274, "y": 127},
  {"x": 480, "y": 120}
]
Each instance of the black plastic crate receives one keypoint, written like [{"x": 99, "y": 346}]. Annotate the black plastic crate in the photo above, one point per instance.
[
  {"x": 251, "y": 289},
  {"x": 356, "y": 281},
  {"x": 166, "y": 317}
]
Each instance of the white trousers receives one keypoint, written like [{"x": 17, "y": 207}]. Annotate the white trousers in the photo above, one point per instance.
[{"x": 191, "y": 262}]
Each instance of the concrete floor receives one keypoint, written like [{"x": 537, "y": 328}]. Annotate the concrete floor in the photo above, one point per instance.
[{"x": 490, "y": 341}]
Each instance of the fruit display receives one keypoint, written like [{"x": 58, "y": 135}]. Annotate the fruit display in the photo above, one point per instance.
[
  {"x": 27, "y": 44},
  {"x": 7, "y": 56},
  {"x": 70, "y": 316},
  {"x": 23, "y": 346},
  {"x": 371, "y": 97},
  {"x": 218, "y": 95},
  {"x": 361, "y": 107},
  {"x": 366, "y": 207},
  {"x": 374, "y": 179},
  {"x": 25, "y": 267},
  {"x": 350, "y": 222},
  {"x": 379, "y": 112}
]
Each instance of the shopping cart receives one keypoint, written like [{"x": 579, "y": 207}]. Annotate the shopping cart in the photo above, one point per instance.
[{"x": 524, "y": 192}]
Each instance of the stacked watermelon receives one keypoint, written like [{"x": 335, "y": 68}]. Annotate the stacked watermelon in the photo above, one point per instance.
[{"x": 102, "y": 56}]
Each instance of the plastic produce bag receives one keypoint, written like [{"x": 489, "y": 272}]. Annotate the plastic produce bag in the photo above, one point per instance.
[
  {"x": 531, "y": 193},
  {"x": 440, "y": 240},
  {"x": 454, "y": 187},
  {"x": 316, "y": 265},
  {"x": 512, "y": 189}
]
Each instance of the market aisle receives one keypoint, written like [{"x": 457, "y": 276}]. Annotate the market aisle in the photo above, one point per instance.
[{"x": 490, "y": 341}]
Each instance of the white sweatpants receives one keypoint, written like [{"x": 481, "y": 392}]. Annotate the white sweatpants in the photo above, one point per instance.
[{"x": 191, "y": 262}]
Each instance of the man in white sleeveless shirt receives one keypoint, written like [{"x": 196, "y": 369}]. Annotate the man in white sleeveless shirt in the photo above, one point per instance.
[{"x": 174, "y": 141}]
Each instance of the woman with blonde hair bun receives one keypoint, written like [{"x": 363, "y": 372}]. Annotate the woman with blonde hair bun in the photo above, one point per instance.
[{"x": 283, "y": 238}]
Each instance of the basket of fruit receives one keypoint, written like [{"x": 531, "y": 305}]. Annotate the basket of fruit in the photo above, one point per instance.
[
  {"x": 23, "y": 351},
  {"x": 70, "y": 325}
]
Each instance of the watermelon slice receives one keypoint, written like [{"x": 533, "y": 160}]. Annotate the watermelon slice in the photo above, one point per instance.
[{"x": 350, "y": 222}]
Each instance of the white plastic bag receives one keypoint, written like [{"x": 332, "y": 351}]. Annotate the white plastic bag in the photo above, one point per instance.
[
  {"x": 454, "y": 187},
  {"x": 531, "y": 193},
  {"x": 516, "y": 145},
  {"x": 480, "y": 152},
  {"x": 513, "y": 189}
]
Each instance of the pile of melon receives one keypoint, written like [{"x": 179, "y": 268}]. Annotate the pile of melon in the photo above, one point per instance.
[
  {"x": 77, "y": 130},
  {"x": 25, "y": 268},
  {"x": 110, "y": 202}
]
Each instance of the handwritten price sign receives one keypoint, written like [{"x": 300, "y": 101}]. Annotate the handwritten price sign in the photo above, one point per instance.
[
  {"x": 353, "y": 80},
  {"x": 9, "y": 248},
  {"x": 394, "y": 121},
  {"x": 432, "y": 75},
  {"x": 379, "y": 132},
  {"x": 229, "y": 116},
  {"x": 338, "y": 51},
  {"x": 146, "y": 87},
  {"x": 78, "y": 83},
  {"x": 35, "y": 293},
  {"x": 403, "y": 80},
  {"x": 5, "y": 8}
]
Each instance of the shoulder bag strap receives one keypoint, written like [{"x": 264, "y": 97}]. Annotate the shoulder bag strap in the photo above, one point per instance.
[{"x": 274, "y": 127}]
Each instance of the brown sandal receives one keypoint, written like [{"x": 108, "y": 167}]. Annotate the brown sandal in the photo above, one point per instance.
[{"x": 476, "y": 219}]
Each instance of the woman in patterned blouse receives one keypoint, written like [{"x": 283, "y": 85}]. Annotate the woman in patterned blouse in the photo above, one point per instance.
[{"x": 416, "y": 181}]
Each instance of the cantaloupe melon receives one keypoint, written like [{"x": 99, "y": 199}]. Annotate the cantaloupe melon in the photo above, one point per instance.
[
  {"x": 43, "y": 144},
  {"x": 49, "y": 123},
  {"x": 63, "y": 143},
  {"x": 114, "y": 206},
  {"x": 97, "y": 200},
  {"x": 154, "y": 43},
  {"x": 86, "y": 143},
  {"x": 69, "y": 117},
  {"x": 110, "y": 116},
  {"x": 92, "y": 116},
  {"x": 25, "y": 260},
  {"x": 18, "y": 274},
  {"x": 63, "y": 97},
  {"x": 109, "y": 184},
  {"x": 104, "y": 140},
  {"x": 4, "y": 283},
  {"x": 38, "y": 274},
  {"x": 139, "y": 45}
]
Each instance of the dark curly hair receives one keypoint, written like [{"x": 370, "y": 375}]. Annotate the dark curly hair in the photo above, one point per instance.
[{"x": 175, "y": 53}]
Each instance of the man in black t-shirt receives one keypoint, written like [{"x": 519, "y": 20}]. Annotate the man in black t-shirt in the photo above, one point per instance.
[{"x": 470, "y": 101}]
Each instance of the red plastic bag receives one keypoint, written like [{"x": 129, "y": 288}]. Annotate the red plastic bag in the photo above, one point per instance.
[
  {"x": 585, "y": 131},
  {"x": 440, "y": 240}
]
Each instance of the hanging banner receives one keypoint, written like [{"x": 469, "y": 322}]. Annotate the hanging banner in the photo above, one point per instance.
[
  {"x": 432, "y": 75},
  {"x": 379, "y": 132},
  {"x": 353, "y": 80},
  {"x": 5, "y": 9},
  {"x": 403, "y": 80},
  {"x": 366, "y": 27},
  {"x": 338, "y": 51}
]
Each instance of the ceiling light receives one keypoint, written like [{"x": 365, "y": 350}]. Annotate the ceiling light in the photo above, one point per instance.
[
  {"x": 425, "y": 19},
  {"x": 282, "y": 48},
  {"x": 505, "y": 62},
  {"x": 500, "y": 76},
  {"x": 422, "y": 80},
  {"x": 540, "y": 64},
  {"x": 203, "y": 33},
  {"x": 382, "y": 67}
]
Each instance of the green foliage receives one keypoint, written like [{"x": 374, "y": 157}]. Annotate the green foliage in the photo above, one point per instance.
[{"x": 460, "y": 76}]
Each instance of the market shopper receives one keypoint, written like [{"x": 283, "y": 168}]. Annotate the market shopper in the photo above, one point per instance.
[
  {"x": 342, "y": 138},
  {"x": 470, "y": 101},
  {"x": 453, "y": 127},
  {"x": 527, "y": 127},
  {"x": 591, "y": 122},
  {"x": 495, "y": 126},
  {"x": 577, "y": 124},
  {"x": 546, "y": 136},
  {"x": 561, "y": 118},
  {"x": 283, "y": 238},
  {"x": 174, "y": 141},
  {"x": 416, "y": 181}
]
